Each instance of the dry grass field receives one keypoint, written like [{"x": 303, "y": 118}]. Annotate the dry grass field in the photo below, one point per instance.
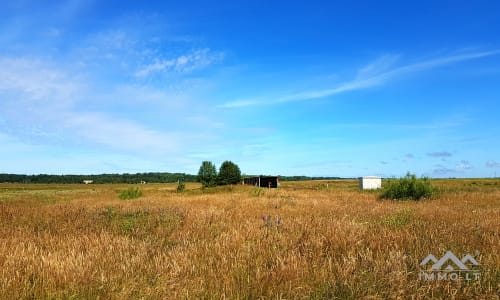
[{"x": 305, "y": 240}]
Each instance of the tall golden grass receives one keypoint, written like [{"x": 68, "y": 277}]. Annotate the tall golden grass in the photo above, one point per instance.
[{"x": 306, "y": 240}]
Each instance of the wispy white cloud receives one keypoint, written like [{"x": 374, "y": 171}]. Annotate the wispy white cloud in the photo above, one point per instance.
[
  {"x": 26, "y": 157},
  {"x": 464, "y": 165},
  {"x": 492, "y": 164},
  {"x": 132, "y": 50},
  {"x": 39, "y": 99},
  {"x": 243, "y": 103},
  {"x": 121, "y": 134},
  {"x": 91, "y": 91},
  {"x": 440, "y": 154},
  {"x": 441, "y": 170},
  {"x": 36, "y": 81},
  {"x": 380, "y": 65},
  {"x": 376, "y": 73},
  {"x": 182, "y": 64},
  {"x": 204, "y": 121},
  {"x": 461, "y": 167}
]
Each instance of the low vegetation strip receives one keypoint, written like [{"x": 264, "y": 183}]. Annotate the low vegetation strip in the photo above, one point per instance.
[{"x": 130, "y": 193}]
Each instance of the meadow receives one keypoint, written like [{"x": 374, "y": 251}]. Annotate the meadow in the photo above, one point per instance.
[{"x": 305, "y": 240}]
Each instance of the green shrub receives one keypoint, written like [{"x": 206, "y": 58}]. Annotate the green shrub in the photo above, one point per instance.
[
  {"x": 408, "y": 188},
  {"x": 181, "y": 186},
  {"x": 130, "y": 193}
]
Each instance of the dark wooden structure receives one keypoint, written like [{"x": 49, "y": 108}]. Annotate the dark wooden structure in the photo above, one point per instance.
[{"x": 263, "y": 181}]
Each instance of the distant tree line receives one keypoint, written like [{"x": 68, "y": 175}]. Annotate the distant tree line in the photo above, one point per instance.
[
  {"x": 101, "y": 178},
  {"x": 230, "y": 174}
]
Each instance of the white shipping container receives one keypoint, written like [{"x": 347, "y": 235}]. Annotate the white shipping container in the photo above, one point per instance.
[{"x": 370, "y": 182}]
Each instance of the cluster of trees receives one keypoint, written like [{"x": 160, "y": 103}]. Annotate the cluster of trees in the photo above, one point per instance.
[
  {"x": 229, "y": 173},
  {"x": 102, "y": 178}
]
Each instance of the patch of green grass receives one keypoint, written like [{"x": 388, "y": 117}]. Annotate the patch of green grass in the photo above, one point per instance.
[
  {"x": 257, "y": 192},
  {"x": 46, "y": 199},
  {"x": 399, "y": 219},
  {"x": 328, "y": 290},
  {"x": 321, "y": 186},
  {"x": 140, "y": 223},
  {"x": 130, "y": 193},
  {"x": 129, "y": 222}
]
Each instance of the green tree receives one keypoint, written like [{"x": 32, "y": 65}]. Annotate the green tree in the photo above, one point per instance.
[
  {"x": 207, "y": 174},
  {"x": 229, "y": 173}
]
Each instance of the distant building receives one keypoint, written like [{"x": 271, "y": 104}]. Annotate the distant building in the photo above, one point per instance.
[
  {"x": 88, "y": 181},
  {"x": 263, "y": 181},
  {"x": 370, "y": 182}
]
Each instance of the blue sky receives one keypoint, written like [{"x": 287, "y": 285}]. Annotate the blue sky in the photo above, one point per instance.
[{"x": 327, "y": 88}]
